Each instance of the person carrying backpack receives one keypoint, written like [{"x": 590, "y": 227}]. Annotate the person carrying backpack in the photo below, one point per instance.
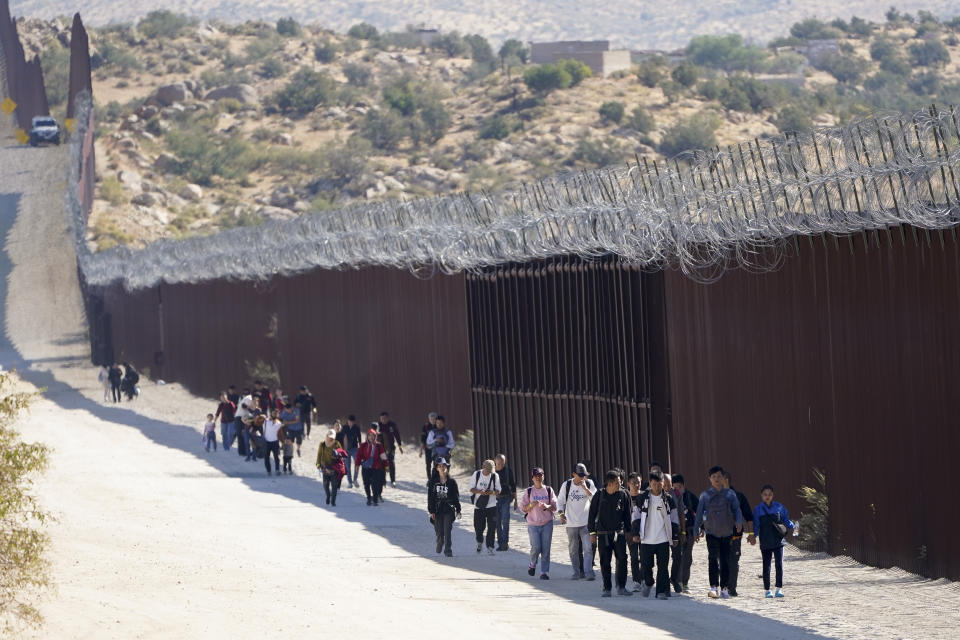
[
  {"x": 608, "y": 524},
  {"x": 771, "y": 523},
  {"x": 484, "y": 487},
  {"x": 683, "y": 552},
  {"x": 538, "y": 504},
  {"x": 718, "y": 518},
  {"x": 573, "y": 504},
  {"x": 656, "y": 528},
  {"x": 737, "y": 540},
  {"x": 443, "y": 504}
]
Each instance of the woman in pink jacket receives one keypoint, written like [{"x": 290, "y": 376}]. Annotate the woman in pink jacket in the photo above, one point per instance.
[{"x": 538, "y": 505}]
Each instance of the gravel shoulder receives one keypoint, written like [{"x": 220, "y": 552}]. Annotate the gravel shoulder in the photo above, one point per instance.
[{"x": 156, "y": 538}]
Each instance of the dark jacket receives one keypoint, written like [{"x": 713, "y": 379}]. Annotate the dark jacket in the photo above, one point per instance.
[
  {"x": 508, "y": 484},
  {"x": 690, "y": 502},
  {"x": 745, "y": 510},
  {"x": 353, "y": 436},
  {"x": 305, "y": 403},
  {"x": 609, "y": 513},
  {"x": 443, "y": 497},
  {"x": 115, "y": 375},
  {"x": 390, "y": 435}
]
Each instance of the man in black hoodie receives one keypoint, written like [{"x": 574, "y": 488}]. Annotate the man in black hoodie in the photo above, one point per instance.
[
  {"x": 736, "y": 541},
  {"x": 443, "y": 504},
  {"x": 609, "y": 524}
]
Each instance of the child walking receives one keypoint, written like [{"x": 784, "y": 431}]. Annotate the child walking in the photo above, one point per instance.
[
  {"x": 772, "y": 523},
  {"x": 288, "y": 456},
  {"x": 210, "y": 433}
]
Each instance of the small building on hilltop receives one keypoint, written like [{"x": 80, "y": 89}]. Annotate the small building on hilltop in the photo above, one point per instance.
[{"x": 596, "y": 54}]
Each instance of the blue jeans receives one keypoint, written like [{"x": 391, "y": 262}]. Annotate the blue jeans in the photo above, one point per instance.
[
  {"x": 351, "y": 457},
  {"x": 503, "y": 521},
  {"x": 540, "y": 537},
  {"x": 226, "y": 435}
]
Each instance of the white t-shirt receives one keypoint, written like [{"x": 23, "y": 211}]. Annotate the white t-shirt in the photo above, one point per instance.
[
  {"x": 483, "y": 483},
  {"x": 241, "y": 412},
  {"x": 654, "y": 530},
  {"x": 575, "y": 503},
  {"x": 270, "y": 430}
]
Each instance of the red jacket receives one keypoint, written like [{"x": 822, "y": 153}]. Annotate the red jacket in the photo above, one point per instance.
[{"x": 367, "y": 451}]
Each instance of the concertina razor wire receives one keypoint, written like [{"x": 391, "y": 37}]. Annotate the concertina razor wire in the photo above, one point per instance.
[{"x": 702, "y": 212}]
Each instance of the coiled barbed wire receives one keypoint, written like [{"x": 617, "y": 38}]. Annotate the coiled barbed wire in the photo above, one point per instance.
[{"x": 702, "y": 212}]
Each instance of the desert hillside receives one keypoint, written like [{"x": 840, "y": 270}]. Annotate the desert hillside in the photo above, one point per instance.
[
  {"x": 629, "y": 23},
  {"x": 207, "y": 126}
]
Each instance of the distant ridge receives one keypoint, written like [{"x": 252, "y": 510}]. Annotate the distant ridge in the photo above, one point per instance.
[{"x": 637, "y": 24}]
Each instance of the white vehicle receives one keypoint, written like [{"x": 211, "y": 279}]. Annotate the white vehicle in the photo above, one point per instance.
[{"x": 44, "y": 129}]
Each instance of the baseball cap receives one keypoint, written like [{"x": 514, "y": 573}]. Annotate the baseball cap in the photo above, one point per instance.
[
  {"x": 442, "y": 461},
  {"x": 372, "y": 431},
  {"x": 581, "y": 470},
  {"x": 536, "y": 471}
]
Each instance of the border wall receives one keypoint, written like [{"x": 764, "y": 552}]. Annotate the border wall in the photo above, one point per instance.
[
  {"x": 24, "y": 78},
  {"x": 364, "y": 341},
  {"x": 846, "y": 359}
]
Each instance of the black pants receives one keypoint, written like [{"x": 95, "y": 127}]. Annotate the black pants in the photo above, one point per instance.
[
  {"x": 428, "y": 459},
  {"x": 635, "y": 571},
  {"x": 242, "y": 439},
  {"x": 718, "y": 560},
  {"x": 734, "y": 562},
  {"x": 682, "y": 560},
  {"x": 305, "y": 419},
  {"x": 115, "y": 388},
  {"x": 485, "y": 519},
  {"x": 443, "y": 527},
  {"x": 372, "y": 483},
  {"x": 662, "y": 553},
  {"x": 777, "y": 556},
  {"x": 609, "y": 545},
  {"x": 274, "y": 448},
  {"x": 331, "y": 484},
  {"x": 392, "y": 466}
]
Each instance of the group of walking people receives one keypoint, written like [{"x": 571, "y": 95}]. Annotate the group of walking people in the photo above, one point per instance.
[
  {"x": 117, "y": 382},
  {"x": 652, "y": 518}
]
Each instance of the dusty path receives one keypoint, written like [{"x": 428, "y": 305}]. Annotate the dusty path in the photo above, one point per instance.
[{"x": 158, "y": 539}]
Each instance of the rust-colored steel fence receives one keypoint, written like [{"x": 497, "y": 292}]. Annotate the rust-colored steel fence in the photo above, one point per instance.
[
  {"x": 560, "y": 365},
  {"x": 24, "y": 78},
  {"x": 846, "y": 359},
  {"x": 363, "y": 341}
]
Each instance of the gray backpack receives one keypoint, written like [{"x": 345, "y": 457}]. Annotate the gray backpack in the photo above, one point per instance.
[{"x": 719, "y": 521}]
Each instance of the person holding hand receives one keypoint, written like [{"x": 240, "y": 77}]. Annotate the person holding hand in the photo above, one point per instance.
[{"x": 538, "y": 504}]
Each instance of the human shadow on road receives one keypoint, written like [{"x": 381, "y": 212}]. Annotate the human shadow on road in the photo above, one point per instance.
[{"x": 684, "y": 617}]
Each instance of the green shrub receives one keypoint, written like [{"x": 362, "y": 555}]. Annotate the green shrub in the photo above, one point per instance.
[
  {"x": 480, "y": 49},
  {"x": 725, "y": 52},
  {"x": 363, "y": 31},
  {"x": 466, "y": 457},
  {"x": 345, "y": 162},
  {"x": 24, "y": 569},
  {"x": 451, "y": 44},
  {"x": 813, "y": 29},
  {"x": 546, "y": 78},
  {"x": 55, "y": 62},
  {"x": 326, "y": 51},
  {"x": 896, "y": 65},
  {"x": 649, "y": 74},
  {"x": 883, "y": 47},
  {"x": 305, "y": 91},
  {"x": 846, "y": 69},
  {"x": 289, "y": 27},
  {"x": 513, "y": 52},
  {"x": 612, "y": 111},
  {"x": 163, "y": 24},
  {"x": 578, "y": 70},
  {"x": 685, "y": 74},
  {"x": 257, "y": 50},
  {"x": 929, "y": 53},
  {"x": 403, "y": 94},
  {"x": 113, "y": 55},
  {"x": 641, "y": 120},
  {"x": 859, "y": 27},
  {"x": 272, "y": 68},
  {"x": 112, "y": 191},
  {"x": 597, "y": 153},
  {"x": 435, "y": 118},
  {"x": 694, "y": 132},
  {"x": 495, "y": 128},
  {"x": 785, "y": 62},
  {"x": 814, "y": 526},
  {"x": 383, "y": 129},
  {"x": 734, "y": 99},
  {"x": 202, "y": 156},
  {"x": 358, "y": 74},
  {"x": 925, "y": 84},
  {"x": 794, "y": 117}
]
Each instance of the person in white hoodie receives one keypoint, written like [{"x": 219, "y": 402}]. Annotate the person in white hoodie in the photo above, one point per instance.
[
  {"x": 573, "y": 505},
  {"x": 657, "y": 528}
]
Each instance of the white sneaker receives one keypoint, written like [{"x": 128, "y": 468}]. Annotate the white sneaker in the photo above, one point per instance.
[
  {"x": 724, "y": 594},
  {"x": 637, "y": 586},
  {"x": 769, "y": 594},
  {"x": 713, "y": 593},
  {"x": 779, "y": 593}
]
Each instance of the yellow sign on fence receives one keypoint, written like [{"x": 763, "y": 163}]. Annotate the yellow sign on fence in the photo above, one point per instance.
[
  {"x": 22, "y": 136},
  {"x": 7, "y": 106},
  {"x": 70, "y": 124}
]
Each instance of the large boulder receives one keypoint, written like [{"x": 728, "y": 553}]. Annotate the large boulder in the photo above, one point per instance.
[
  {"x": 191, "y": 193},
  {"x": 170, "y": 94},
  {"x": 243, "y": 93}
]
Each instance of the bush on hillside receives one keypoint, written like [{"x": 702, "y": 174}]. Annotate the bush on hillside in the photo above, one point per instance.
[
  {"x": 289, "y": 27},
  {"x": 813, "y": 29},
  {"x": 495, "y": 128},
  {"x": 452, "y": 44},
  {"x": 326, "y": 51},
  {"x": 55, "y": 62},
  {"x": 649, "y": 74},
  {"x": 597, "y": 153},
  {"x": 845, "y": 68},
  {"x": 402, "y": 94},
  {"x": 725, "y": 52},
  {"x": 578, "y": 70},
  {"x": 929, "y": 53},
  {"x": 685, "y": 74},
  {"x": 545, "y": 78},
  {"x": 163, "y": 24},
  {"x": 363, "y": 31},
  {"x": 882, "y": 48},
  {"x": 641, "y": 120},
  {"x": 272, "y": 67},
  {"x": 305, "y": 91},
  {"x": 435, "y": 118},
  {"x": 694, "y": 132},
  {"x": 480, "y": 49},
  {"x": 384, "y": 129},
  {"x": 795, "y": 118},
  {"x": 513, "y": 52},
  {"x": 358, "y": 74},
  {"x": 612, "y": 111}
]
